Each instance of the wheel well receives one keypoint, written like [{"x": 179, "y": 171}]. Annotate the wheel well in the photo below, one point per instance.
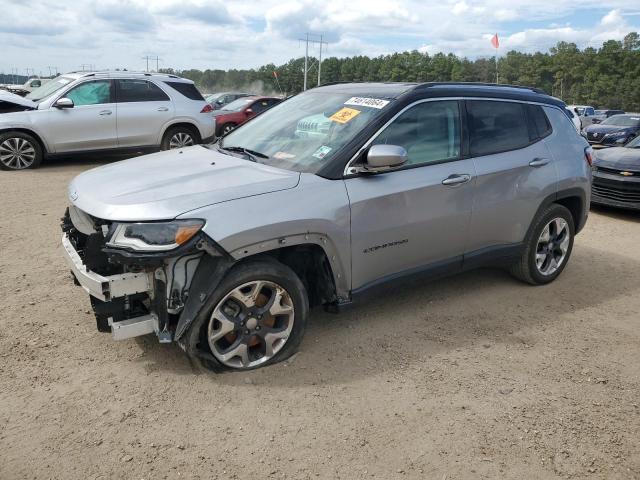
[
  {"x": 574, "y": 205},
  {"x": 28, "y": 132},
  {"x": 310, "y": 263},
  {"x": 188, "y": 125}
]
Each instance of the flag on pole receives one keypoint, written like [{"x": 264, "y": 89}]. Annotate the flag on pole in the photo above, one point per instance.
[
  {"x": 494, "y": 41},
  {"x": 275, "y": 74}
]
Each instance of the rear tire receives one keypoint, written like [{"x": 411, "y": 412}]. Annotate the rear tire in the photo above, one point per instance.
[
  {"x": 179, "y": 137},
  {"x": 548, "y": 247},
  {"x": 269, "y": 329},
  {"x": 19, "y": 151}
]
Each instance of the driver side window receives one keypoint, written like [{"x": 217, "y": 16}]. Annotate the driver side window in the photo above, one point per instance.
[
  {"x": 91, "y": 93},
  {"x": 429, "y": 132}
]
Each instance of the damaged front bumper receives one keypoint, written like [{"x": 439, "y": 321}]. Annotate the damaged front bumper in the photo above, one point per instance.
[
  {"x": 108, "y": 288},
  {"x": 134, "y": 294}
]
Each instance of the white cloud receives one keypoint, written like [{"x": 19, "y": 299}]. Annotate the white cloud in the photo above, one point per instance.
[{"x": 247, "y": 33}]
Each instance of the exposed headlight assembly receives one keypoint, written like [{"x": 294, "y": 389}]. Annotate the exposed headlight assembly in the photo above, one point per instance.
[{"x": 154, "y": 236}]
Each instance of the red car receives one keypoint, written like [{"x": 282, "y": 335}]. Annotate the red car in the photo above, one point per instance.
[{"x": 241, "y": 110}]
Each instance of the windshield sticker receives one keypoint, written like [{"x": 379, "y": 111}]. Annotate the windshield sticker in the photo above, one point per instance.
[
  {"x": 283, "y": 155},
  {"x": 322, "y": 152},
  {"x": 367, "y": 102},
  {"x": 345, "y": 115}
]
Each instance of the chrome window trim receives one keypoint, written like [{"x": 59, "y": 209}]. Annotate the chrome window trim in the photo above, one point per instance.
[{"x": 348, "y": 172}]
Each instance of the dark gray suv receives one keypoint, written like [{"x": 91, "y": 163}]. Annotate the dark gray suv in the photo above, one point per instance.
[{"x": 325, "y": 199}]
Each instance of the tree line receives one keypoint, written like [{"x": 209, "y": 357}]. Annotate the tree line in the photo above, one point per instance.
[{"x": 605, "y": 77}]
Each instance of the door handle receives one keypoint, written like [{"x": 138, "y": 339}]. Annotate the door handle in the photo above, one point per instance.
[
  {"x": 163, "y": 109},
  {"x": 105, "y": 112},
  {"x": 456, "y": 179},
  {"x": 538, "y": 162}
]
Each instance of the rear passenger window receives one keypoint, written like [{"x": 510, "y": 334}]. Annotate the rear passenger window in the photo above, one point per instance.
[
  {"x": 189, "y": 90},
  {"x": 539, "y": 121},
  {"x": 139, "y": 91},
  {"x": 429, "y": 132},
  {"x": 496, "y": 127}
]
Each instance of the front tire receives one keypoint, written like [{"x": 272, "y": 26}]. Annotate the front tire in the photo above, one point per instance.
[
  {"x": 259, "y": 318},
  {"x": 547, "y": 247},
  {"x": 226, "y": 128},
  {"x": 19, "y": 151}
]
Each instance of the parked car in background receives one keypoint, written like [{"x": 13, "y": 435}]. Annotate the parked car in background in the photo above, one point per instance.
[
  {"x": 219, "y": 100},
  {"x": 614, "y": 131},
  {"x": 584, "y": 112},
  {"x": 241, "y": 110},
  {"x": 27, "y": 87},
  {"x": 101, "y": 111},
  {"x": 575, "y": 119},
  {"x": 225, "y": 248},
  {"x": 616, "y": 176},
  {"x": 602, "y": 115}
]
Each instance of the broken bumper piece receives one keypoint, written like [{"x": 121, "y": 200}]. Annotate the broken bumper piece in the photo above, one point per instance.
[{"x": 113, "y": 289}]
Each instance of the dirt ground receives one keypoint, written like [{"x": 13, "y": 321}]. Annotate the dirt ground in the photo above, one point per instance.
[{"x": 476, "y": 376}]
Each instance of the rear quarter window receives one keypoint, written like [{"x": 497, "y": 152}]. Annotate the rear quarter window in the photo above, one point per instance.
[
  {"x": 541, "y": 127},
  {"x": 188, "y": 90},
  {"x": 496, "y": 127}
]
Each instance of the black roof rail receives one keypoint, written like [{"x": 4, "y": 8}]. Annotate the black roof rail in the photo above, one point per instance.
[{"x": 479, "y": 84}]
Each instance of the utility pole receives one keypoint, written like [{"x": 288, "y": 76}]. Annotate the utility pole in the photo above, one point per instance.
[
  {"x": 87, "y": 65},
  {"x": 320, "y": 60},
  {"x": 156, "y": 58},
  {"x": 306, "y": 55},
  {"x": 306, "y": 62}
]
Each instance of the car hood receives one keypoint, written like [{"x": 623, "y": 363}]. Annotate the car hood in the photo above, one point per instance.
[
  {"x": 597, "y": 128},
  {"x": 13, "y": 99},
  {"x": 163, "y": 185},
  {"x": 619, "y": 158}
]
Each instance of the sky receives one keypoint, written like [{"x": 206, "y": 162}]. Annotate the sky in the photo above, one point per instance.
[{"x": 43, "y": 34}]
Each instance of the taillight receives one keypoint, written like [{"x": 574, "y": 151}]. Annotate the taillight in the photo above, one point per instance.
[
  {"x": 206, "y": 109},
  {"x": 588, "y": 155}
]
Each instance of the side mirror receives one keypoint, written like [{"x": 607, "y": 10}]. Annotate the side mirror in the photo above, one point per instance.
[
  {"x": 63, "y": 102},
  {"x": 249, "y": 111},
  {"x": 385, "y": 157}
]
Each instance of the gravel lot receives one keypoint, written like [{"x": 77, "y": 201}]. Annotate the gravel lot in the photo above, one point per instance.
[{"x": 476, "y": 376}]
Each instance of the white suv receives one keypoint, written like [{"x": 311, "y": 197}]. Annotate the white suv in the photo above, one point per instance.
[{"x": 84, "y": 112}]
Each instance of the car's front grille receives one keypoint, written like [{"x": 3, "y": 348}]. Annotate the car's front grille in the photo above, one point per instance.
[
  {"x": 624, "y": 192},
  {"x": 618, "y": 171}
]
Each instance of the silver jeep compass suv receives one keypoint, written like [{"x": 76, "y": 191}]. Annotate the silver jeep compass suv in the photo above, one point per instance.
[
  {"x": 83, "y": 112},
  {"x": 328, "y": 197}
]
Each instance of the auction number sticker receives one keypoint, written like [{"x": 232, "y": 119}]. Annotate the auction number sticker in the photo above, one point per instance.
[
  {"x": 367, "y": 102},
  {"x": 345, "y": 115}
]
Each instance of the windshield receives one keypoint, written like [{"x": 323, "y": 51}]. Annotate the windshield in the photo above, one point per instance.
[
  {"x": 622, "y": 121},
  {"x": 213, "y": 97},
  {"x": 49, "y": 88},
  {"x": 635, "y": 143},
  {"x": 305, "y": 132},
  {"x": 238, "y": 105}
]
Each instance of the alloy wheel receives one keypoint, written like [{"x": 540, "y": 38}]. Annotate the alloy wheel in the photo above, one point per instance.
[
  {"x": 552, "y": 247},
  {"x": 17, "y": 153},
  {"x": 251, "y": 324},
  {"x": 180, "y": 140},
  {"x": 227, "y": 129}
]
